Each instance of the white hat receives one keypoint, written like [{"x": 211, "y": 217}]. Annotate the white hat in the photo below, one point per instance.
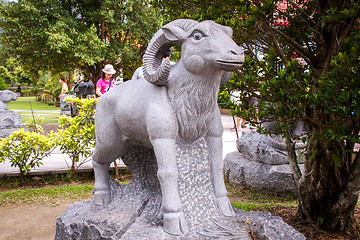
[{"x": 109, "y": 69}]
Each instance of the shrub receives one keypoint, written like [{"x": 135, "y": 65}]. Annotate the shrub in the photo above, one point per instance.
[
  {"x": 34, "y": 124},
  {"x": 77, "y": 138},
  {"x": 3, "y": 85},
  {"x": 25, "y": 150}
]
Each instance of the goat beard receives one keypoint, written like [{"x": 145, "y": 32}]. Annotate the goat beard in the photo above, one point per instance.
[{"x": 194, "y": 103}]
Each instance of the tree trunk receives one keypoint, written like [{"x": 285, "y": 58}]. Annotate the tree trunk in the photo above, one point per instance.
[
  {"x": 117, "y": 177},
  {"x": 22, "y": 178},
  {"x": 72, "y": 170},
  {"x": 329, "y": 195}
]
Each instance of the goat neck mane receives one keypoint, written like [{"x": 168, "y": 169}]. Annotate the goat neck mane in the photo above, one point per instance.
[{"x": 194, "y": 103}]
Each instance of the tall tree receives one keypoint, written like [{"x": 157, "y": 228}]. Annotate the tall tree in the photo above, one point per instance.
[
  {"x": 317, "y": 42},
  {"x": 63, "y": 35}
]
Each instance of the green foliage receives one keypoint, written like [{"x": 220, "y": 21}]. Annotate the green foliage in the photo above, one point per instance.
[
  {"x": 224, "y": 97},
  {"x": 34, "y": 124},
  {"x": 3, "y": 85},
  {"x": 12, "y": 72},
  {"x": 85, "y": 35},
  {"x": 25, "y": 150},
  {"x": 76, "y": 136}
]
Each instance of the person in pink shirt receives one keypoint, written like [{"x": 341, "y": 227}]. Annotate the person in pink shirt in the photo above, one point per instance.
[{"x": 107, "y": 82}]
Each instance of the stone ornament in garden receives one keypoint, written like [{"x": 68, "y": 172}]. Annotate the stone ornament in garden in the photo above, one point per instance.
[
  {"x": 10, "y": 121},
  {"x": 166, "y": 127},
  {"x": 6, "y": 96}
]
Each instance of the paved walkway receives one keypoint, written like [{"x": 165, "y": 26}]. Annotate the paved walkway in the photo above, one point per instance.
[{"x": 57, "y": 162}]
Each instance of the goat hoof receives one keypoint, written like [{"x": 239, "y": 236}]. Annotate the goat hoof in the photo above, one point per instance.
[
  {"x": 102, "y": 198},
  {"x": 225, "y": 206},
  {"x": 175, "y": 223}
]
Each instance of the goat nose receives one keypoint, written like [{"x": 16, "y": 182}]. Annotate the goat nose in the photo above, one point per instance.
[{"x": 233, "y": 52}]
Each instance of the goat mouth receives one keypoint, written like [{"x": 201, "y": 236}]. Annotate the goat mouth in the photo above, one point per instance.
[{"x": 229, "y": 63}]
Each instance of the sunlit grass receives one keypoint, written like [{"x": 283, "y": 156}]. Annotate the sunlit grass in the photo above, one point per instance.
[
  {"x": 48, "y": 117},
  {"x": 256, "y": 201},
  {"x": 48, "y": 196},
  {"x": 28, "y": 104}
]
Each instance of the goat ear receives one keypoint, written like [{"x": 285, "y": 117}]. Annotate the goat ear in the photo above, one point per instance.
[
  {"x": 228, "y": 31},
  {"x": 173, "y": 33}
]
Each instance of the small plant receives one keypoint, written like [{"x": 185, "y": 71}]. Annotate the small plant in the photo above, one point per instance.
[
  {"x": 3, "y": 85},
  {"x": 78, "y": 136},
  {"x": 25, "y": 150},
  {"x": 34, "y": 124}
]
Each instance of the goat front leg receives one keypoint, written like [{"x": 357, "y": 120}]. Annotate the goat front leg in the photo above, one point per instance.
[
  {"x": 172, "y": 208},
  {"x": 215, "y": 146}
]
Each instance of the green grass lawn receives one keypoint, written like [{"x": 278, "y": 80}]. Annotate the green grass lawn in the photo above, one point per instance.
[{"x": 28, "y": 103}]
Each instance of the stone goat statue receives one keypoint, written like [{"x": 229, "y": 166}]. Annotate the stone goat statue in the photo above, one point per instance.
[
  {"x": 84, "y": 89},
  {"x": 169, "y": 106},
  {"x": 5, "y": 97}
]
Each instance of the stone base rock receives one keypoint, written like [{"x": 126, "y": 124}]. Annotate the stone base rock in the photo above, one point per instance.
[
  {"x": 135, "y": 208},
  {"x": 134, "y": 217},
  {"x": 66, "y": 108},
  {"x": 134, "y": 211},
  {"x": 10, "y": 122},
  {"x": 268, "y": 227}
]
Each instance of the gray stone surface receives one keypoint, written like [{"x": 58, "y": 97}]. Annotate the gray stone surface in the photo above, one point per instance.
[
  {"x": 264, "y": 149},
  {"x": 6, "y": 96},
  {"x": 167, "y": 107},
  {"x": 9, "y": 121},
  {"x": 249, "y": 174},
  {"x": 134, "y": 211},
  {"x": 268, "y": 227},
  {"x": 261, "y": 164},
  {"x": 85, "y": 90},
  {"x": 66, "y": 108}
]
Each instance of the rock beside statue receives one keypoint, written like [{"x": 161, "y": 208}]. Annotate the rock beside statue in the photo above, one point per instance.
[{"x": 261, "y": 164}]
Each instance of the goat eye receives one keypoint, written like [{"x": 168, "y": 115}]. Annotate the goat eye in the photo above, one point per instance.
[{"x": 198, "y": 36}]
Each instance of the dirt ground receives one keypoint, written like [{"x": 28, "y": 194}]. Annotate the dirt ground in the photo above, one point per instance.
[{"x": 30, "y": 221}]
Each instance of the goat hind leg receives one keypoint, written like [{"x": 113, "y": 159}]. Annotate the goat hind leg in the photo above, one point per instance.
[
  {"x": 102, "y": 195},
  {"x": 102, "y": 157}
]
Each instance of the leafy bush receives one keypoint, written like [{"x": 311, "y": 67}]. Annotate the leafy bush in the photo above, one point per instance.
[
  {"x": 77, "y": 138},
  {"x": 3, "y": 85},
  {"x": 25, "y": 150},
  {"x": 224, "y": 97},
  {"x": 34, "y": 124}
]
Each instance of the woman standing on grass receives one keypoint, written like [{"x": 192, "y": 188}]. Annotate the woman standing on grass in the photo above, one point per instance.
[{"x": 106, "y": 82}]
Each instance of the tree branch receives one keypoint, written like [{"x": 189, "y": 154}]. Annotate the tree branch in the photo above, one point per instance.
[{"x": 304, "y": 53}]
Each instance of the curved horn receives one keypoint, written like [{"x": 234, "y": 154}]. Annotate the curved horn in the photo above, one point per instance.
[{"x": 156, "y": 70}]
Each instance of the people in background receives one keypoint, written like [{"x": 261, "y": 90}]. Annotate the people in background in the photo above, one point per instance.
[
  {"x": 139, "y": 71},
  {"x": 64, "y": 87},
  {"x": 107, "y": 82}
]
